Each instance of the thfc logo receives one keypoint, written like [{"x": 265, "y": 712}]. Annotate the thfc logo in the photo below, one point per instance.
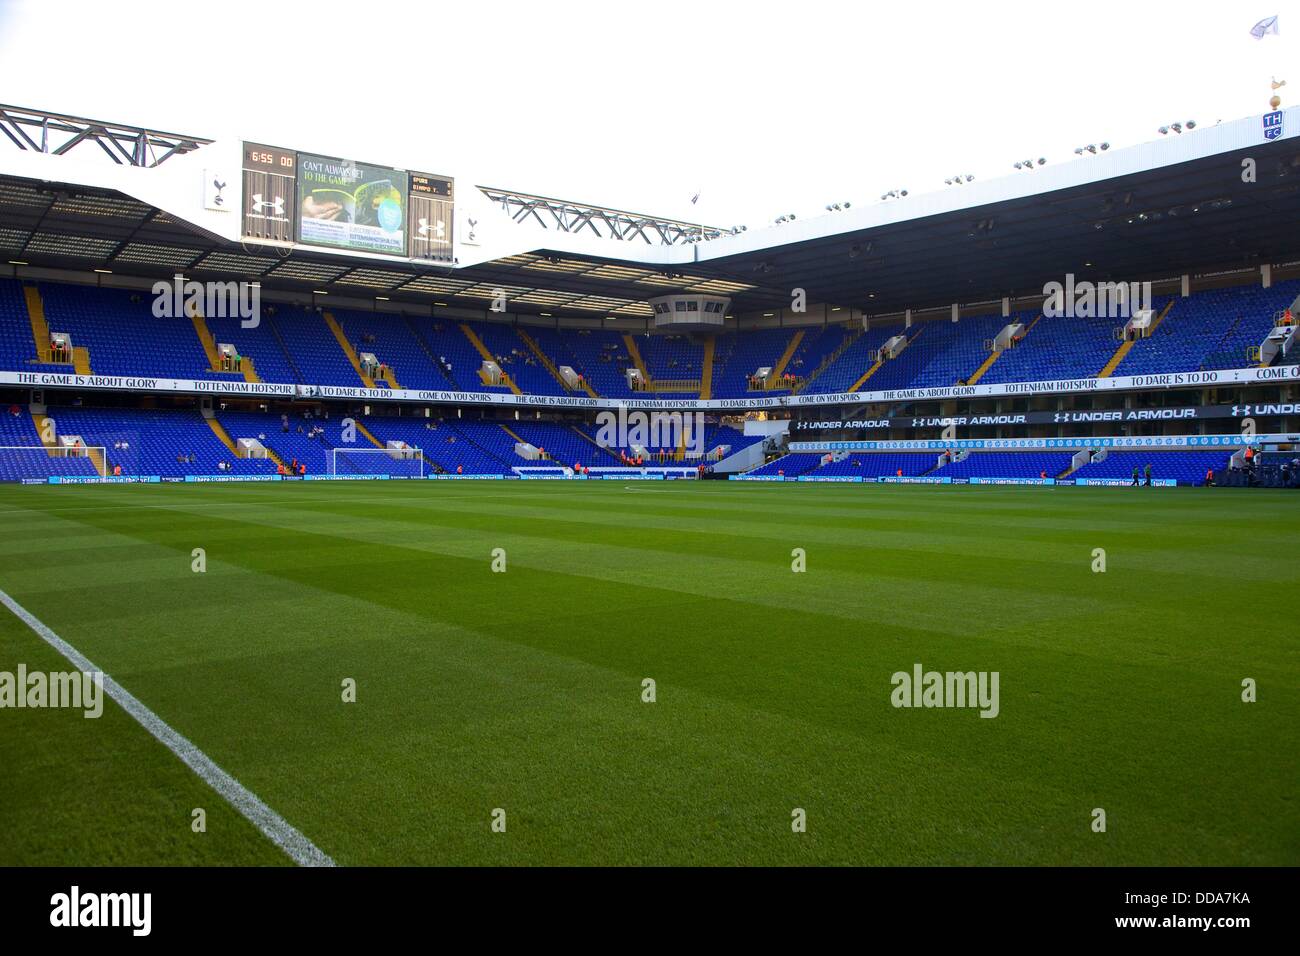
[
  {"x": 1273, "y": 124},
  {"x": 75, "y": 908}
]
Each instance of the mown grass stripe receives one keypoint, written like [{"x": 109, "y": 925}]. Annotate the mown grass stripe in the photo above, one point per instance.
[{"x": 276, "y": 829}]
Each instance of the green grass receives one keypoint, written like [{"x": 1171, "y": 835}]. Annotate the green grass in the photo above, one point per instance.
[{"x": 522, "y": 690}]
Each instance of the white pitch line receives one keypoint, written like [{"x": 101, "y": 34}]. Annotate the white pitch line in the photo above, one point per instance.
[{"x": 275, "y": 827}]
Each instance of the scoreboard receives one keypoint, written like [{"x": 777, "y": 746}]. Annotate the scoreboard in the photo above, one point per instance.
[
  {"x": 431, "y": 217},
  {"x": 269, "y": 175},
  {"x": 292, "y": 197}
]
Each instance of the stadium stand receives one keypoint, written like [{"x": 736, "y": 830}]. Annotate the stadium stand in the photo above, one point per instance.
[
  {"x": 1271, "y": 470},
  {"x": 123, "y": 336},
  {"x": 20, "y": 459},
  {"x": 817, "y": 350},
  {"x": 316, "y": 355},
  {"x": 671, "y": 358},
  {"x": 1187, "y": 467},
  {"x": 153, "y": 441},
  {"x": 1057, "y": 347},
  {"x": 1211, "y": 329},
  {"x": 17, "y": 344},
  {"x": 393, "y": 342},
  {"x": 258, "y": 343},
  {"x": 717, "y": 436},
  {"x": 289, "y": 437},
  {"x": 791, "y": 465},
  {"x": 737, "y": 356},
  {"x": 517, "y": 360},
  {"x": 1009, "y": 465},
  {"x": 853, "y": 363},
  {"x": 882, "y": 464},
  {"x": 939, "y": 353},
  {"x": 600, "y": 356}
]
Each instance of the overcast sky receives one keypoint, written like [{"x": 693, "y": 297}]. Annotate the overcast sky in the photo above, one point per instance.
[{"x": 764, "y": 108}]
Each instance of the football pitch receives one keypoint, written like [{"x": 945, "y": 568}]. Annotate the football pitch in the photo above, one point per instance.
[{"x": 509, "y": 686}]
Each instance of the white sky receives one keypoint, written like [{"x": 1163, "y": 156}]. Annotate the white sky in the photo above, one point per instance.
[{"x": 765, "y": 107}]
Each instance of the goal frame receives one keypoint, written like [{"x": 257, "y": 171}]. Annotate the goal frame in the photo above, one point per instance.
[
  {"x": 63, "y": 451},
  {"x": 404, "y": 454}
]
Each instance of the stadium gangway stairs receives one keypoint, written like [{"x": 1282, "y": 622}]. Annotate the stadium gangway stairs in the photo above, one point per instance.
[
  {"x": 1127, "y": 345},
  {"x": 219, "y": 430},
  {"x": 337, "y": 330},
  {"x": 788, "y": 355},
  {"x": 996, "y": 347},
  {"x": 829, "y": 361},
  {"x": 487, "y": 355},
  {"x": 706, "y": 368},
  {"x": 547, "y": 364}
]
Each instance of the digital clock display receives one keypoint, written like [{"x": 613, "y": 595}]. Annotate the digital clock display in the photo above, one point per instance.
[{"x": 270, "y": 159}]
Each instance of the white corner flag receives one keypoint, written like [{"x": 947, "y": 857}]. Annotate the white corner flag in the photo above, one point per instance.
[{"x": 1265, "y": 26}]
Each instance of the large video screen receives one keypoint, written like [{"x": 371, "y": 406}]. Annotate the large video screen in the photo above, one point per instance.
[{"x": 351, "y": 205}]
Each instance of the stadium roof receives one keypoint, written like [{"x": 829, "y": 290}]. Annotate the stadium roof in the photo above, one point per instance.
[{"x": 1182, "y": 204}]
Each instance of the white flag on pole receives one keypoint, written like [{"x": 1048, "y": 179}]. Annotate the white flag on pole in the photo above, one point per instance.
[{"x": 1265, "y": 26}]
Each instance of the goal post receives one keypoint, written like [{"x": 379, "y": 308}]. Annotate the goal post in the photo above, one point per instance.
[
  {"x": 394, "y": 462},
  {"x": 18, "y": 462}
]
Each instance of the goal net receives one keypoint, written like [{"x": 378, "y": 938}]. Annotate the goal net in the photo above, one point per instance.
[
  {"x": 20, "y": 462},
  {"x": 394, "y": 462}
]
